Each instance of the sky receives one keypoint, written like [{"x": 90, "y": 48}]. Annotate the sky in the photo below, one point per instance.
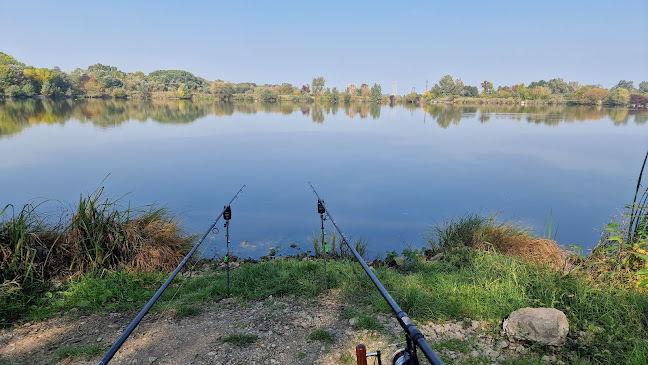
[{"x": 407, "y": 43}]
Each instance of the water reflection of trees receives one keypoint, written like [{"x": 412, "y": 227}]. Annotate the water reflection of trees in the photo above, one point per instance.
[{"x": 16, "y": 115}]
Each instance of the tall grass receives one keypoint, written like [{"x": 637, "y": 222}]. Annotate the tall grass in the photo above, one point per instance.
[
  {"x": 337, "y": 248},
  {"x": 101, "y": 236},
  {"x": 458, "y": 237}
]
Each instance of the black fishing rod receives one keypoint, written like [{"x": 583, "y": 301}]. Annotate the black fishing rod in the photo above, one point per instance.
[
  {"x": 413, "y": 336},
  {"x": 120, "y": 341}
]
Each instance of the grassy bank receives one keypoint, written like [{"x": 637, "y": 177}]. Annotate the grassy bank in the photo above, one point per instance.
[
  {"x": 606, "y": 323},
  {"x": 99, "y": 236}
]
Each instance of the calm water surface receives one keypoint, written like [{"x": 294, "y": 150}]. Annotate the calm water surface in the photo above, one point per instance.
[{"x": 387, "y": 174}]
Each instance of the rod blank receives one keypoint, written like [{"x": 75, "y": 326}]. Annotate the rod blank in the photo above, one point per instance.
[
  {"x": 403, "y": 319},
  {"x": 120, "y": 341}
]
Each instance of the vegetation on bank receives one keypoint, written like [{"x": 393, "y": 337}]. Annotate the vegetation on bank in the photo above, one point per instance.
[
  {"x": 99, "y": 236},
  {"x": 103, "y": 81}
]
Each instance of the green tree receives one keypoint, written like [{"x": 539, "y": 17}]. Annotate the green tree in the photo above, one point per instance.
[
  {"x": 286, "y": 89},
  {"x": 447, "y": 85},
  {"x": 559, "y": 86},
  {"x": 643, "y": 86},
  {"x": 619, "y": 96},
  {"x": 335, "y": 95},
  {"x": 183, "y": 92},
  {"x": 346, "y": 97},
  {"x": 365, "y": 91},
  {"x": 540, "y": 93},
  {"x": 376, "y": 93},
  {"x": 318, "y": 85},
  {"x": 624, "y": 84},
  {"x": 6, "y": 60},
  {"x": 533, "y": 84},
  {"x": 222, "y": 90},
  {"x": 470, "y": 91},
  {"x": 412, "y": 97},
  {"x": 487, "y": 88},
  {"x": 266, "y": 94}
]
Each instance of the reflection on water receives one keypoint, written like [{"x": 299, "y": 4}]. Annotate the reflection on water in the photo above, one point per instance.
[{"x": 16, "y": 115}]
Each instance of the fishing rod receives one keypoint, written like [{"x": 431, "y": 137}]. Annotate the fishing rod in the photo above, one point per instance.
[
  {"x": 413, "y": 336},
  {"x": 120, "y": 341}
]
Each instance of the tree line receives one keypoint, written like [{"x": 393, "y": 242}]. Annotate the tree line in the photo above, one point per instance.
[{"x": 100, "y": 81}]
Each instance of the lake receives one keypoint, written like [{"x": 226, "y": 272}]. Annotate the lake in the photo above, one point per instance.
[{"x": 387, "y": 174}]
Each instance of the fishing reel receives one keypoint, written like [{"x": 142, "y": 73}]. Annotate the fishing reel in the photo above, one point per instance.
[{"x": 402, "y": 356}]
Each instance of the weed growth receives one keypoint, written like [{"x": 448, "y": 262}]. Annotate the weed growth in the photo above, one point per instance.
[
  {"x": 322, "y": 335},
  {"x": 240, "y": 340}
]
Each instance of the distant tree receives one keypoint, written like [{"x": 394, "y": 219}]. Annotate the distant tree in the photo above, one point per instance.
[
  {"x": 447, "y": 85},
  {"x": 591, "y": 95},
  {"x": 346, "y": 97},
  {"x": 470, "y": 91},
  {"x": 520, "y": 91},
  {"x": 28, "y": 90},
  {"x": 335, "y": 95},
  {"x": 540, "y": 93},
  {"x": 109, "y": 76},
  {"x": 6, "y": 60},
  {"x": 305, "y": 89},
  {"x": 352, "y": 90},
  {"x": 435, "y": 91},
  {"x": 376, "y": 93},
  {"x": 412, "y": 97},
  {"x": 173, "y": 79},
  {"x": 619, "y": 96},
  {"x": 574, "y": 85},
  {"x": 222, "y": 90},
  {"x": 643, "y": 86},
  {"x": 559, "y": 86},
  {"x": 537, "y": 83},
  {"x": 286, "y": 89},
  {"x": 119, "y": 93},
  {"x": 459, "y": 87},
  {"x": 365, "y": 91},
  {"x": 266, "y": 94},
  {"x": 487, "y": 88},
  {"x": 183, "y": 92},
  {"x": 624, "y": 84},
  {"x": 318, "y": 85}
]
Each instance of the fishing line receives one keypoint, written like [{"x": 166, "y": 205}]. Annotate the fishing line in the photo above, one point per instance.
[
  {"x": 413, "y": 336},
  {"x": 120, "y": 341}
]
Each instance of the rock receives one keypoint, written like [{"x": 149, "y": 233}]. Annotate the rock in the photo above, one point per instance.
[
  {"x": 353, "y": 321},
  {"x": 547, "y": 326},
  {"x": 152, "y": 359},
  {"x": 212, "y": 353}
]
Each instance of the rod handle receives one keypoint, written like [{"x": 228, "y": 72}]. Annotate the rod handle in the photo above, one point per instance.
[{"x": 361, "y": 354}]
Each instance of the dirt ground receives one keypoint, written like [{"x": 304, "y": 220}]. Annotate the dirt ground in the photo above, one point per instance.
[{"x": 282, "y": 327}]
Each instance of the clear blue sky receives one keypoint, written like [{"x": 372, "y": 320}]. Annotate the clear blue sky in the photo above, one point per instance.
[{"x": 506, "y": 42}]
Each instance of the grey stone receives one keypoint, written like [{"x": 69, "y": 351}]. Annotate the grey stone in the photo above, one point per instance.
[{"x": 547, "y": 326}]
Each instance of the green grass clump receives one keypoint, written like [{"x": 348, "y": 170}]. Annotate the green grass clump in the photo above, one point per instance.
[
  {"x": 322, "y": 335},
  {"x": 240, "y": 340},
  {"x": 84, "y": 352},
  {"x": 186, "y": 311},
  {"x": 101, "y": 237},
  {"x": 364, "y": 321}
]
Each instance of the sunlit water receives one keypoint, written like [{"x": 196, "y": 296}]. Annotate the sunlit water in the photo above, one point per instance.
[{"x": 387, "y": 174}]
